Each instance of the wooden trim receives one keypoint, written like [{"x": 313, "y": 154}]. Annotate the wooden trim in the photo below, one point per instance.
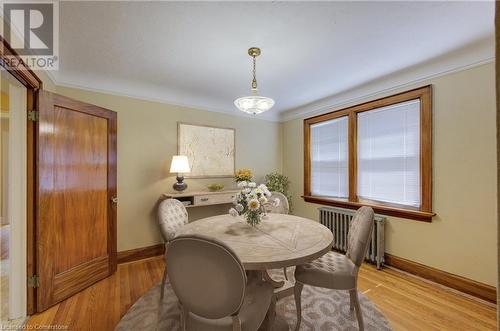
[
  {"x": 141, "y": 253},
  {"x": 32, "y": 182},
  {"x": 352, "y": 157},
  {"x": 426, "y": 149},
  {"x": 416, "y": 215},
  {"x": 112, "y": 191},
  {"x": 307, "y": 158},
  {"x": 424, "y": 213},
  {"x": 12, "y": 62},
  {"x": 462, "y": 284}
]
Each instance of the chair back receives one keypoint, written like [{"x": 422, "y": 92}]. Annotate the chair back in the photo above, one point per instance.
[
  {"x": 284, "y": 206},
  {"x": 206, "y": 275},
  {"x": 359, "y": 236},
  {"x": 172, "y": 215}
]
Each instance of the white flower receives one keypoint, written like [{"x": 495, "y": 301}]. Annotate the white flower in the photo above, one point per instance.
[
  {"x": 242, "y": 184},
  {"x": 267, "y": 193},
  {"x": 263, "y": 200},
  {"x": 263, "y": 187},
  {"x": 258, "y": 190},
  {"x": 239, "y": 207},
  {"x": 276, "y": 202},
  {"x": 233, "y": 212},
  {"x": 252, "y": 184},
  {"x": 253, "y": 204},
  {"x": 246, "y": 190}
]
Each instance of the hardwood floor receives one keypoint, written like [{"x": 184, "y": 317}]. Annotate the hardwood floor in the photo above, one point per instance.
[{"x": 407, "y": 302}]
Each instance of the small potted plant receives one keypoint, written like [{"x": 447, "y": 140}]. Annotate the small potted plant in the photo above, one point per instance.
[{"x": 243, "y": 175}]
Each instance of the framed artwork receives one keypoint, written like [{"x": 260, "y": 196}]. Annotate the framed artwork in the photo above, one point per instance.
[{"x": 210, "y": 150}]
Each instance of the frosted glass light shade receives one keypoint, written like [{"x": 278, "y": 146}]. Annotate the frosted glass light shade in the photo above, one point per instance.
[
  {"x": 180, "y": 164},
  {"x": 254, "y": 104}
]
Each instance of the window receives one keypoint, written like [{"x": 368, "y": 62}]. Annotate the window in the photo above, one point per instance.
[
  {"x": 329, "y": 153},
  {"x": 377, "y": 154}
]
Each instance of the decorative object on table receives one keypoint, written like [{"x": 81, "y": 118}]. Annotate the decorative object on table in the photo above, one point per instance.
[
  {"x": 215, "y": 187},
  {"x": 243, "y": 175},
  {"x": 254, "y": 104},
  {"x": 180, "y": 165},
  {"x": 277, "y": 182},
  {"x": 251, "y": 202},
  {"x": 210, "y": 150}
]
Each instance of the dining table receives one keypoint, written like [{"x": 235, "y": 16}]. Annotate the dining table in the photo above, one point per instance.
[{"x": 278, "y": 241}]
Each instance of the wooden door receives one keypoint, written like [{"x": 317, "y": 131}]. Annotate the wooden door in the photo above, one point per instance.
[{"x": 76, "y": 187}]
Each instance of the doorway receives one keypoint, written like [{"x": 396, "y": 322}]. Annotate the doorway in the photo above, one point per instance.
[{"x": 13, "y": 201}]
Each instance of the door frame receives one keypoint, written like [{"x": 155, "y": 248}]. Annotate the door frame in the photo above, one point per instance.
[{"x": 33, "y": 84}]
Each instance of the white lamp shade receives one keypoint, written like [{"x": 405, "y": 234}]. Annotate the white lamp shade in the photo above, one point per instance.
[{"x": 180, "y": 163}]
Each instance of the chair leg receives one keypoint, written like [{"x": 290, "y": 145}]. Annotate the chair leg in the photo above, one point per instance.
[
  {"x": 298, "y": 305},
  {"x": 236, "y": 323},
  {"x": 352, "y": 294},
  {"x": 284, "y": 271},
  {"x": 163, "y": 281},
  {"x": 184, "y": 317},
  {"x": 271, "y": 314},
  {"x": 359, "y": 313}
]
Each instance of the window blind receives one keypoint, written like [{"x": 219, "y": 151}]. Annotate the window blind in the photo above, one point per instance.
[
  {"x": 329, "y": 158},
  {"x": 389, "y": 154}
]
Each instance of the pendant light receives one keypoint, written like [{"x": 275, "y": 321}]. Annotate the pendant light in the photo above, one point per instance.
[{"x": 254, "y": 104}]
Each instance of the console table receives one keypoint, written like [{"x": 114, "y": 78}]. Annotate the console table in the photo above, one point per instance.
[{"x": 202, "y": 198}]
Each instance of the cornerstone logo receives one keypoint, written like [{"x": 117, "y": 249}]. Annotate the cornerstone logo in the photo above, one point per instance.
[{"x": 32, "y": 30}]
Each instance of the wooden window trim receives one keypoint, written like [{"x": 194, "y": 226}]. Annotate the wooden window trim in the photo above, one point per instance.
[{"x": 424, "y": 213}]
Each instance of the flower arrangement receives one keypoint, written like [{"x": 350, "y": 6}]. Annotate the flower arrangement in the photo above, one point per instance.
[
  {"x": 243, "y": 175},
  {"x": 251, "y": 202}
]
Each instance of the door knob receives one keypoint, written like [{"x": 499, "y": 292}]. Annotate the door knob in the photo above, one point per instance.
[{"x": 114, "y": 200}]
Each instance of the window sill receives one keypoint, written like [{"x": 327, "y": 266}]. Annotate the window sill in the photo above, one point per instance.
[{"x": 384, "y": 210}]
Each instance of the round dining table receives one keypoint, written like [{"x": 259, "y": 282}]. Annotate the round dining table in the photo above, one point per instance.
[{"x": 278, "y": 241}]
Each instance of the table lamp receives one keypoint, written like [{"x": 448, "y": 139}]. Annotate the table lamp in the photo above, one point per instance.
[{"x": 180, "y": 165}]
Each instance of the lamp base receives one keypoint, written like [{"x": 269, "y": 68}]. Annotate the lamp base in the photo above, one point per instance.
[{"x": 180, "y": 185}]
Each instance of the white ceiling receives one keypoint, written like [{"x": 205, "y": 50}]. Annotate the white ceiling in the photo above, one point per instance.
[{"x": 195, "y": 54}]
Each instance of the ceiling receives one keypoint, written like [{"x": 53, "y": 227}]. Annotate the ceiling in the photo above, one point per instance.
[{"x": 195, "y": 54}]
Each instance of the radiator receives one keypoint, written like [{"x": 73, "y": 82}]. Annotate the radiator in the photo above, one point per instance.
[{"x": 338, "y": 220}]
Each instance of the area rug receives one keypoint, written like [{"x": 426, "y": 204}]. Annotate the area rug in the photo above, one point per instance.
[{"x": 322, "y": 309}]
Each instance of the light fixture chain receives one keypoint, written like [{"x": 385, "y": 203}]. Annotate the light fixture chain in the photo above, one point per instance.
[{"x": 254, "y": 81}]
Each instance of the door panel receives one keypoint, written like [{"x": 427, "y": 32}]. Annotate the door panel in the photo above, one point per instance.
[{"x": 76, "y": 223}]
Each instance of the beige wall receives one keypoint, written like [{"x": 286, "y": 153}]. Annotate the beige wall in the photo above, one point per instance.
[
  {"x": 462, "y": 237},
  {"x": 147, "y": 139}
]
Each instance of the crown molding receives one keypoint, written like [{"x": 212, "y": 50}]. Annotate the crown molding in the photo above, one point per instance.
[
  {"x": 271, "y": 117},
  {"x": 367, "y": 91},
  {"x": 337, "y": 101}
]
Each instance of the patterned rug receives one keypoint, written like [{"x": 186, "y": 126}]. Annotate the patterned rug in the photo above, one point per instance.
[{"x": 322, "y": 309}]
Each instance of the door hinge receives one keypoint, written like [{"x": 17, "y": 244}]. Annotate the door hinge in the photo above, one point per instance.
[
  {"x": 34, "y": 281},
  {"x": 33, "y": 115}
]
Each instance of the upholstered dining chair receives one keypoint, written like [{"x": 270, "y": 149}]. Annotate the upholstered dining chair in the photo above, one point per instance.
[
  {"x": 282, "y": 208},
  {"x": 211, "y": 285},
  {"x": 172, "y": 215},
  {"x": 337, "y": 271}
]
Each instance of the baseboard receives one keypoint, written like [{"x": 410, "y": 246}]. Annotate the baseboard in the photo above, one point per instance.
[
  {"x": 140, "y": 253},
  {"x": 462, "y": 284}
]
